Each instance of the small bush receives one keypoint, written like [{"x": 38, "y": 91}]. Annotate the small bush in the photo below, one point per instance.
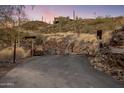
[{"x": 7, "y": 53}]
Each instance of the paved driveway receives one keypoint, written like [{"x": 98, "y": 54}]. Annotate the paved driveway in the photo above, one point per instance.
[{"x": 57, "y": 71}]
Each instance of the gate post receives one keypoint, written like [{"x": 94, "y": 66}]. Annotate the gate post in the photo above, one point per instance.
[
  {"x": 99, "y": 37},
  {"x": 32, "y": 43},
  {"x": 32, "y": 47},
  {"x": 14, "y": 54}
]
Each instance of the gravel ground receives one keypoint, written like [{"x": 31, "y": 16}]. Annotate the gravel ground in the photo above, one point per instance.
[{"x": 57, "y": 72}]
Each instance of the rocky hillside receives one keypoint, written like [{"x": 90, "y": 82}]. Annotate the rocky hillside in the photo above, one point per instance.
[
  {"x": 78, "y": 25},
  {"x": 34, "y": 25},
  {"x": 111, "y": 57}
]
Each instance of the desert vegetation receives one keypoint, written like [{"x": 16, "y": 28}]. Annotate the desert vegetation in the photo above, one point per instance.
[{"x": 63, "y": 36}]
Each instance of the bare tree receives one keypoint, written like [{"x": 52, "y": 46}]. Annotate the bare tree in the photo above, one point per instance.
[
  {"x": 11, "y": 16},
  {"x": 19, "y": 15},
  {"x": 5, "y": 15}
]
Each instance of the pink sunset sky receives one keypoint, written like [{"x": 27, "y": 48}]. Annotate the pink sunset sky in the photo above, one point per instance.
[{"x": 48, "y": 12}]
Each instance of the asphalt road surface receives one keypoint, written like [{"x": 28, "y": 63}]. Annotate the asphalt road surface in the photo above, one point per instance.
[{"x": 57, "y": 72}]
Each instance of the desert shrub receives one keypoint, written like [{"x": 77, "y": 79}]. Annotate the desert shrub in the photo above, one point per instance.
[
  {"x": 20, "y": 52},
  {"x": 7, "y": 53}
]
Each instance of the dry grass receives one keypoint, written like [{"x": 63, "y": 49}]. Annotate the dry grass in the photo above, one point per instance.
[
  {"x": 87, "y": 38},
  {"x": 107, "y": 36},
  {"x": 83, "y": 36},
  {"x": 7, "y": 53},
  {"x": 92, "y": 37}
]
